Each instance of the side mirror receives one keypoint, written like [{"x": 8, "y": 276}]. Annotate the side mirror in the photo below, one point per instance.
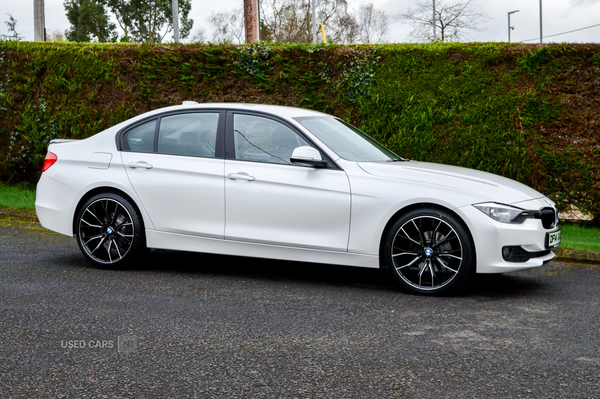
[{"x": 307, "y": 155}]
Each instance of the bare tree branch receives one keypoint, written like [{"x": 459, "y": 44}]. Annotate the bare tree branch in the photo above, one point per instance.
[
  {"x": 373, "y": 23},
  {"x": 455, "y": 20},
  {"x": 291, "y": 20},
  {"x": 228, "y": 26}
]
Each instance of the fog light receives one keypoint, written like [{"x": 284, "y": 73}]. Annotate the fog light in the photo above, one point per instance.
[{"x": 507, "y": 253}]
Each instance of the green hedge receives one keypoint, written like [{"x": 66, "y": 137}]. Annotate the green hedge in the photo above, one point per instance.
[{"x": 528, "y": 112}]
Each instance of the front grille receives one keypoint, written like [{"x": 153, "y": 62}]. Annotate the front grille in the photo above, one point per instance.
[{"x": 548, "y": 217}]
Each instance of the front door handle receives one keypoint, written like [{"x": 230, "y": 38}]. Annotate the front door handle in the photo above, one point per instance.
[
  {"x": 139, "y": 165},
  {"x": 240, "y": 176}
]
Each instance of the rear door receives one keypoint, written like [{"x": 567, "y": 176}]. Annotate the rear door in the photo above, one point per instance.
[{"x": 175, "y": 165}]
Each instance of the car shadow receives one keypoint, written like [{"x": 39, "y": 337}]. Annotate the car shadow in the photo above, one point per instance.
[
  {"x": 487, "y": 287},
  {"x": 500, "y": 286},
  {"x": 265, "y": 269}
]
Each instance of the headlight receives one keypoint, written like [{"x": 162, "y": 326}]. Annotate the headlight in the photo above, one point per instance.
[{"x": 504, "y": 213}]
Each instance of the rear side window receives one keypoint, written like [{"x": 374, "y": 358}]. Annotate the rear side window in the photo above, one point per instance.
[{"x": 140, "y": 138}]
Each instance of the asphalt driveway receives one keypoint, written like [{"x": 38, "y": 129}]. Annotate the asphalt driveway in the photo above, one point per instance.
[{"x": 190, "y": 325}]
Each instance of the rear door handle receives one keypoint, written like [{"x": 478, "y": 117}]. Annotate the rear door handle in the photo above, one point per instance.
[
  {"x": 240, "y": 176},
  {"x": 139, "y": 165}
]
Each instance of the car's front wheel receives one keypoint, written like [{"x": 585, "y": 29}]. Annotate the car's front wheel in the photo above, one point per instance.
[
  {"x": 429, "y": 251},
  {"x": 109, "y": 230}
]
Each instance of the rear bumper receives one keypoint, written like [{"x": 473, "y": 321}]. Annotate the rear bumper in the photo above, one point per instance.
[{"x": 55, "y": 204}]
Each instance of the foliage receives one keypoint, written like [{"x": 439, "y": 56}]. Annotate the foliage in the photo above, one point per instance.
[
  {"x": 30, "y": 140},
  {"x": 528, "y": 112},
  {"x": 151, "y": 20},
  {"x": 5, "y": 98},
  {"x": 358, "y": 74},
  {"x": 11, "y": 24},
  {"x": 89, "y": 21},
  {"x": 141, "y": 21},
  {"x": 253, "y": 58}
]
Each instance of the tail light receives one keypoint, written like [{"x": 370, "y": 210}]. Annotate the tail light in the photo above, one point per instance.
[{"x": 50, "y": 159}]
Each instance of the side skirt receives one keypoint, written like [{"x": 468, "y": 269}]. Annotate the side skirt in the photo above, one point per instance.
[{"x": 181, "y": 242}]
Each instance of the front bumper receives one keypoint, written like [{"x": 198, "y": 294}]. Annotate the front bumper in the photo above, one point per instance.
[{"x": 490, "y": 237}]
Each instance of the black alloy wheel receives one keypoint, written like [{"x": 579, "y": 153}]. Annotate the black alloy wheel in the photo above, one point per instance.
[
  {"x": 109, "y": 230},
  {"x": 429, "y": 251}
]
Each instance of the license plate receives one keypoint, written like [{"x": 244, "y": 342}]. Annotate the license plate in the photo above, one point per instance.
[{"x": 553, "y": 239}]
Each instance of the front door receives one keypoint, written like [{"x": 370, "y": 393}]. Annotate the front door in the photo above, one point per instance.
[{"x": 271, "y": 201}]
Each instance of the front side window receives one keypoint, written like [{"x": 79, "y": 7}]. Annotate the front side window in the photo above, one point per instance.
[
  {"x": 192, "y": 134},
  {"x": 262, "y": 139}
]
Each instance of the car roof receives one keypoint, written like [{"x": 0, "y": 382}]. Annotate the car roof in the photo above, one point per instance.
[{"x": 279, "y": 110}]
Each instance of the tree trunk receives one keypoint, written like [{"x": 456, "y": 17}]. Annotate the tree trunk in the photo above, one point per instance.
[
  {"x": 39, "y": 25},
  {"x": 251, "y": 20}
]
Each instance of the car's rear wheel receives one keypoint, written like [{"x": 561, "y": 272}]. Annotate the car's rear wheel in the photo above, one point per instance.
[
  {"x": 429, "y": 251},
  {"x": 109, "y": 229}
]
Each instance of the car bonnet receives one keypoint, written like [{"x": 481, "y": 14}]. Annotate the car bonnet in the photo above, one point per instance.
[{"x": 481, "y": 184}]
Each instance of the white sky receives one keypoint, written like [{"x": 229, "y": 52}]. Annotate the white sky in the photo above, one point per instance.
[{"x": 558, "y": 16}]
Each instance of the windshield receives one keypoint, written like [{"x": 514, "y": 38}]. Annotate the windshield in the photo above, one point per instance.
[{"x": 345, "y": 140}]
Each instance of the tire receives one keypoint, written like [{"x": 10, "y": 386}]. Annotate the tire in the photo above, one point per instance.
[
  {"x": 429, "y": 252},
  {"x": 110, "y": 232}
]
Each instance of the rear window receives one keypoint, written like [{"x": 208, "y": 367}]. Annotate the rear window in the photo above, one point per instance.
[{"x": 140, "y": 138}]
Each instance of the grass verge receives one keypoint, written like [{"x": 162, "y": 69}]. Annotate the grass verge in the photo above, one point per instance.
[
  {"x": 17, "y": 197},
  {"x": 580, "y": 238}
]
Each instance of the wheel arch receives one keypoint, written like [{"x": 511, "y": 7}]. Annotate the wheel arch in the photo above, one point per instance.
[
  {"x": 99, "y": 190},
  {"x": 411, "y": 207}
]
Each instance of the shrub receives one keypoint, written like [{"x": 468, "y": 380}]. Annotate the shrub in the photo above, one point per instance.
[{"x": 528, "y": 112}]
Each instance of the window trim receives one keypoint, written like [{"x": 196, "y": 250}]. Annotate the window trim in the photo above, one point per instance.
[
  {"x": 219, "y": 145},
  {"x": 122, "y": 144}
]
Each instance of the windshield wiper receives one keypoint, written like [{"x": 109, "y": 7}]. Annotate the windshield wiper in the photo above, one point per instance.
[{"x": 398, "y": 160}]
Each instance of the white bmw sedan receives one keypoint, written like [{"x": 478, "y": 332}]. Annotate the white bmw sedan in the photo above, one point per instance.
[{"x": 287, "y": 183}]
